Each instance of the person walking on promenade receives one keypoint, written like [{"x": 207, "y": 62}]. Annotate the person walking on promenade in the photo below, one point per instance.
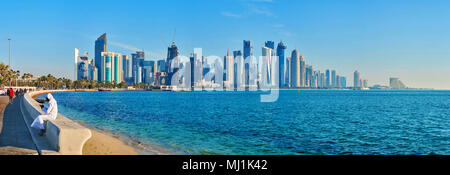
[
  {"x": 11, "y": 95},
  {"x": 50, "y": 114}
]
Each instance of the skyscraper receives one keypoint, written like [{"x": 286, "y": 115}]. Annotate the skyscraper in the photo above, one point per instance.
[
  {"x": 138, "y": 75},
  {"x": 117, "y": 68},
  {"x": 229, "y": 64},
  {"x": 295, "y": 69},
  {"x": 302, "y": 71},
  {"x": 270, "y": 44},
  {"x": 172, "y": 53},
  {"x": 148, "y": 72},
  {"x": 356, "y": 80},
  {"x": 112, "y": 67},
  {"x": 282, "y": 68},
  {"x": 323, "y": 82},
  {"x": 161, "y": 66},
  {"x": 137, "y": 62},
  {"x": 267, "y": 62},
  {"x": 127, "y": 68},
  {"x": 288, "y": 71},
  {"x": 82, "y": 66},
  {"x": 100, "y": 46},
  {"x": 337, "y": 81},
  {"x": 314, "y": 80},
  {"x": 172, "y": 65},
  {"x": 236, "y": 54},
  {"x": 327, "y": 79},
  {"x": 248, "y": 52},
  {"x": 309, "y": 76},
  {"x": 77, "y": 55},
  {"x": 343, "y": 82},
  {"x": 365, "y": 84},
  {"x": 248, "y": 49},
  {"x": 333, "y": 79}
]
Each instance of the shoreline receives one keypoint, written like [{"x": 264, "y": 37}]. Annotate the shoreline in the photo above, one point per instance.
[
  {"x": 138, "y": 146},
  {"x": 104, "y": 142}
]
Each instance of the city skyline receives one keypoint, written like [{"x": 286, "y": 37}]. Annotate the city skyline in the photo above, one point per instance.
[{"x": 408, "y": 49}]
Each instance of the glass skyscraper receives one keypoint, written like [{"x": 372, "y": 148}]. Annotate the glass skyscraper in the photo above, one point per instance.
[
  {"x": 137, "y": 62},
  {"x": 282, "y": 76},
  {"x": 248, "y": 52},
  {"x": 172, "y": 53},
  {"x": 172, "y": 64},
  {"x": 267, "y": 67},
  {"x": 270, "y": 44},
  {"x": 327, "y": 79},
  {"x": 236, "y": 55},
  {"x": 161, "y": 66},
  {"x": 100, "y": 46},
  {"x": 333, "y": 79},
  {"x": 127, "y": 67}
]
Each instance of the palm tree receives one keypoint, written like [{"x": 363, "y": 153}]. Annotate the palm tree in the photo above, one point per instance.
[
  {"x": 42, "y": 81},
  {"x": 5, "y": 74},
  {"x": 51, "y": 80},
  {"x": 59, "y": 83},
  {"x": 122, "y": 85},
  {"x": 14, "y": 76},
  {"x": 68, "y": 83},
  {"x": 26, "y": 78}
]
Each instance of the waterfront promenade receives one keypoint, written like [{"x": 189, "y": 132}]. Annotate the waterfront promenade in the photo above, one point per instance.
[
  {"x": 18, "y": 139},
  {"x": 14, "y": 136}
]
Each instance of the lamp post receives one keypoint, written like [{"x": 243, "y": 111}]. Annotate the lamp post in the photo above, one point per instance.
[
  {"x": 9, "y": 43},
  {"x": 9, "y": 64}
]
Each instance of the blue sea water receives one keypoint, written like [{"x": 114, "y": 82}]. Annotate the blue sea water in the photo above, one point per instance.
[{"x": 309, "y": 122}]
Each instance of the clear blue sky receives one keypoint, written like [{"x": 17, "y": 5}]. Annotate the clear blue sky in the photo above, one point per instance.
[{"x": 408, "y": 39}]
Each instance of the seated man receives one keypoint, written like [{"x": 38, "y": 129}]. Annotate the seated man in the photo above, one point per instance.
[{"x": 50, "y": 114}]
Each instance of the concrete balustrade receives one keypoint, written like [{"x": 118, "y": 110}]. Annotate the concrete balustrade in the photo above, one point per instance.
[{"x": 63, "y": 135}]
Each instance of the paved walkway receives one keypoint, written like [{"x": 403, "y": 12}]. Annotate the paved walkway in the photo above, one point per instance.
[{"x": 15, "y": 138}]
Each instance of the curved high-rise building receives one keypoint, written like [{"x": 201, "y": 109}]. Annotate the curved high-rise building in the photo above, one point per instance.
[{"x": 295, "y": 68}]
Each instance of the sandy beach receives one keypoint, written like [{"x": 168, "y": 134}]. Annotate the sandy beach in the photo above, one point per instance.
[{"x": 102, "y": 144}]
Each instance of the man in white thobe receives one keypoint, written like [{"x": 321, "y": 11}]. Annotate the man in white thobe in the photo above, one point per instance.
[{"x": 51, "y": 114}]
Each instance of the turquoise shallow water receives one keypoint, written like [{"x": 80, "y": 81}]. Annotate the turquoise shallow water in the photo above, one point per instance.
[{"x": 310, "y": 122}]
